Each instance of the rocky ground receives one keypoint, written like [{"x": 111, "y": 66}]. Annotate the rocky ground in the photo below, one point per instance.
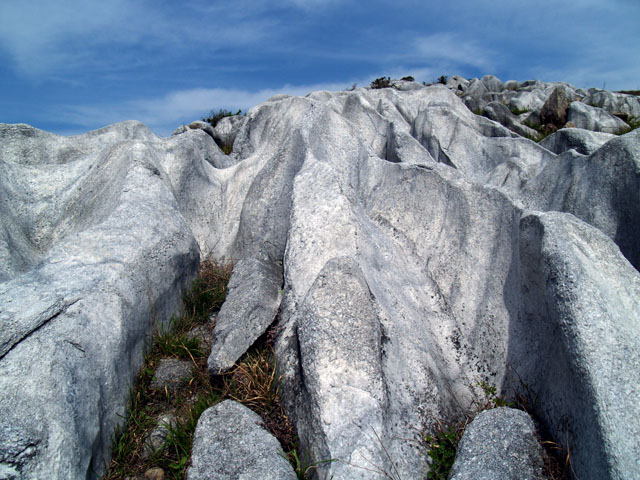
[{"x": 409, "y": 244}]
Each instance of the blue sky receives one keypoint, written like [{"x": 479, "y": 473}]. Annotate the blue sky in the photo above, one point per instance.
[{"x": 69, "y": 66}]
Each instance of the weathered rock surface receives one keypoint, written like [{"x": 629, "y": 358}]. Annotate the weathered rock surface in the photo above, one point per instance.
[
  {"x": 157, "y": 437},
  {"x": 500, "y": 443},
  {"x": 554, "y": 110},
  {"x": 230, "y": 443},
  {"x": 594, "y": 118},
  {"x": 227, "y": 129},
  {"x": 578, "y": 139},
  {"x": 100, "y": 234},
  {"x": 614, "y": 102},
  {"x": 412, "y": 268},
  {"x": 171, "y": 375},
  {"x": 575, "y": 338},
  {"x": 254, "y": 298}
]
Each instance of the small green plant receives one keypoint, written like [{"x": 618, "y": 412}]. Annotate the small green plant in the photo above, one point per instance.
[
  {"x": 207, "y": 293},
  {"x": 304, "y": 467},
  {"x": 443, "y": 79},
  {"x": 633, "y": 122},
  {"x": 519, "y": 111},
  {"x": 492, "y": 399},
  {"x": 215, "y": 117},
  {"x": 408, "y": 78},
  {"x": 382, "y": 82},
  {"x": 443, "y": 445}
]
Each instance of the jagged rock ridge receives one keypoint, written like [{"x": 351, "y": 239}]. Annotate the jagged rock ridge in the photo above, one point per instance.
[{"x": 407, "y": 235}]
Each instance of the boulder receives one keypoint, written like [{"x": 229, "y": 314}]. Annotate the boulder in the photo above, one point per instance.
[
  {"x": 554, "y": 110},
  {"x": 197, "y": 125},
  {"x": 492, "y": 83},
  {"x": 594, "y": 118},
  {"x": 582, "y": 141},
  {"x": 499, "y": 443},
  {"x": 227, "y": 128},
  {"x": 156, "y": 438},
  {"x": 614, "y": 102},
  {"x": 253, "y": 299},
  {"x": 457, "y": 83},
  {"x": 171, "y": 375},
  {"x": 500, "y": 113},
  {"x": 511, "y": 85},
  {"x": 576, "y": 287},
  {"x": 95, "y": 248},
  {"x": 528, "y": 100},
  {"x": 231, "y": 443}
]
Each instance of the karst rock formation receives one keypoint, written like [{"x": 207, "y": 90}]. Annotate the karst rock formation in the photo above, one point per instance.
[{"x": 407, "y": 247}]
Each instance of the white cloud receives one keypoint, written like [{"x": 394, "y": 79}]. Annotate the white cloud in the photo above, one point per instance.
[
  {"x": 164, "y": 114},
  {"x": 453, "y": 49},
  {"x": 42, "y": 37}
]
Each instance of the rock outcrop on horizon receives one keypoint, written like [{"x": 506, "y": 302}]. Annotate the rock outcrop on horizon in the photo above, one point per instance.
[{"x": 407, "y": 248}]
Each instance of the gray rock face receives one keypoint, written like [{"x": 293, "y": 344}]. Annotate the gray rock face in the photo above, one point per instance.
[
  {"x": 171, "y": 375},
  {"x": 254, "y": 295},
  {"x": 157, "y": 437},
  {"x": 230, "y": 443},
  {"x": 594, "y": 118},
  {"x": 408, "y": 273},
  {"x": 614, "y": 102},
  {"x": 500, "y": 443},
  {"x": 577, "y": 286},
  {"x": 554, "y": 110},
  {"x": 227, "y": 129},
  {"x": 95, "y": 246},
  {"x": 501, "y": 114},
  {"x": 582, "y": 141},
  {"x": 492, "y": 83}
]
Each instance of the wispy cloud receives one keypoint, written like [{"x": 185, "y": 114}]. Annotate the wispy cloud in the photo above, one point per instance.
[
  {"x": 166, "y": 113},
  {"x": 44, "y": 37},
  {"x": 453, "y": 49}
]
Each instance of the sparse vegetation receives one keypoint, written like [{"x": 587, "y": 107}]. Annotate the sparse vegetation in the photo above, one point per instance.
[
  {"x": 214, "y": 117},
  {"x": 443, "y": 79},
  {"x": 630, "y": 92},
  {"x": 206, "y": 295},
  {"x": 408, "y": 78},
  {"x": 443, "y": 444},
  {"x": 519, "y": 111},
  {"x": 382, "y": 82},
  {"x": 632, "y": 122}
]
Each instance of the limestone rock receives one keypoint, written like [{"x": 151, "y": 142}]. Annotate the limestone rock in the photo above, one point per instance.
[
  {"x": 155, "y": 440},
  {"x": 554, "y": 110},
  {"x": 457, "y": 83},
  {"x": 197, "y": 125},
  {"x": 230, "y": 443},
  {"x": 511, "y": 85},
  {"x": 171, "y": 374},
  {"x": 594, "y": 118},
  {"x": 227, "y": 128},
  {"x": 582, "y": 141},
  {"x": 253, "y": 299},
  {"x": 614, "y": 102},
  {"x": 407, "y": 274},
  {"x": 500, "y": 113},
  {"x": 492, "y": 83},
  {"x": 95, "y": 246},
  {"x": 155, "y": 473},
  {"x": 576, "y": 286},
  {"x": 500, "y": 443}
]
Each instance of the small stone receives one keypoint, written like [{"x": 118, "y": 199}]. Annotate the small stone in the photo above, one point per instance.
[
  {"x": 155, "y": 473},
  {"x": 155, "y": 440},
  {"x": 171, "y": 375}
]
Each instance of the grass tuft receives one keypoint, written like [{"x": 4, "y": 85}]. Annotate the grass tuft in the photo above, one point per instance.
[{"x": 206, "y": 295}]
